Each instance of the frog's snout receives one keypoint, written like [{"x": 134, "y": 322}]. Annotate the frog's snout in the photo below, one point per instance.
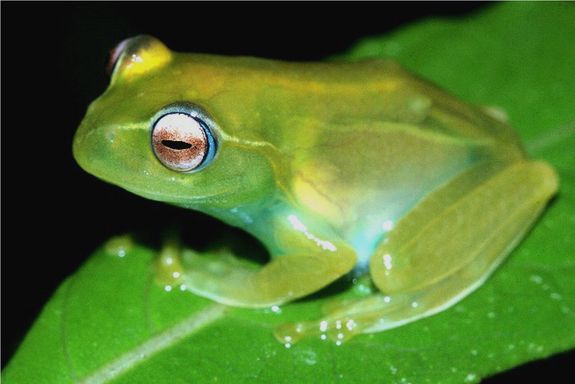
[
  {"x": 91, "y": 145},
  {"x": 79, "y": 146}
]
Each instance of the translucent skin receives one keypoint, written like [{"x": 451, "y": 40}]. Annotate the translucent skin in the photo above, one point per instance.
[{"x": 333, "y": 166}]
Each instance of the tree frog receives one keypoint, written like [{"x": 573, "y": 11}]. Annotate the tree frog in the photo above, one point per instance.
[{"x": 341, "y": 169}]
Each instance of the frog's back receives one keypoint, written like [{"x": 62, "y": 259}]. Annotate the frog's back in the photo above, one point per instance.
[
  {"x": 365, "y": 149},
  {"x": 339, "y": 91}
]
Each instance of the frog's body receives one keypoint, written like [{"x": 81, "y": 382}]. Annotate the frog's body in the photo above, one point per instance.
[{"x": 333, "y": 166}]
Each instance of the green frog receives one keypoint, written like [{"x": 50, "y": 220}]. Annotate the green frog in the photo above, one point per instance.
[{"x": 341, "y": 169}]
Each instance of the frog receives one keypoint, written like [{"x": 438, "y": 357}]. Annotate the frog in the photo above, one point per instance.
[{"x": 343, "y": 170}]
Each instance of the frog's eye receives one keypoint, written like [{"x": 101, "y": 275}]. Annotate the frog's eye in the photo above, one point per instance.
[
  {"x": 182, "y": 142},
  {"x": 115, "y": 56},
  {"x": 137, "y": 56}
]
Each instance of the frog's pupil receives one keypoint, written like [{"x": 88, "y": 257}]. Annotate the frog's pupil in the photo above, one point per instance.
[{"x": 177, "y": 145}]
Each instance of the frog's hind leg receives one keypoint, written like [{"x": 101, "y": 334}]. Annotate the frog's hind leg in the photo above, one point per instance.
[
  {"x": 463, "y": 230},
  {"x": 444, "y": 249}
]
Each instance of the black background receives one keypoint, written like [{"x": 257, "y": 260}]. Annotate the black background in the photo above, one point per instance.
[{"x": 53, "y": 58}]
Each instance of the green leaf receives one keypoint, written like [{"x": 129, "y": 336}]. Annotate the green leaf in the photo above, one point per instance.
[{"x": 110, "y": 322}]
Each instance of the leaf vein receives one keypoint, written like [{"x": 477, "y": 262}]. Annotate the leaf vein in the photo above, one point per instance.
[{"x": 156, "y": 344}]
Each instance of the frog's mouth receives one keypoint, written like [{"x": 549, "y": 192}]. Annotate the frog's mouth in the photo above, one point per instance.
[{"x": 181, "y": 200}]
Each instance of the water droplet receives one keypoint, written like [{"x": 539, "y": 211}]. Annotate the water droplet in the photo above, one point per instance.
[
  {"x": 309, "y": 357},
  {"x": 363, "y": 288},
  {"x": 491, "y": 315},
  {"x": 535, "y": 348},
  {"x": 350, "y": 325},
  {"x": 387, "y": 262},
  {"x": 471, "y": 378},
  {"x": 474, "y": 352},
  {"x": 536, "y": 279},
  {"x": 555, "y": 296}
]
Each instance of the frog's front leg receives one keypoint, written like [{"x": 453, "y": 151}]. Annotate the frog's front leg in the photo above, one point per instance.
[
  {"x": 307, "y": 265},
  {"x": 442, "y": 250}
]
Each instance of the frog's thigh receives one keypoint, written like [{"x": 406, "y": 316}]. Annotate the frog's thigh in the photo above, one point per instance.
[
  {"x": 448, "y": 255},
  {"x": 229, "y": 281}
]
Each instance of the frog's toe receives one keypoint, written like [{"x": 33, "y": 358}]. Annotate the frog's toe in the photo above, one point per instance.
[
  {"x": 335, "y": 330},
  {"x": 168, "y": 270},
  {"x": 346, "y": 318}
]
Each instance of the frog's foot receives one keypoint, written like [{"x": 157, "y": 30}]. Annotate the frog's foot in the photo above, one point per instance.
[
  {"x": 379, "y": 312},
  {"x": 229, "y": 280},
  {"x": 345, "y": 319}
]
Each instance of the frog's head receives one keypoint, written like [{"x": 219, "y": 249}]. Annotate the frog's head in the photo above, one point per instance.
[{"x": 168, "y": 129}]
